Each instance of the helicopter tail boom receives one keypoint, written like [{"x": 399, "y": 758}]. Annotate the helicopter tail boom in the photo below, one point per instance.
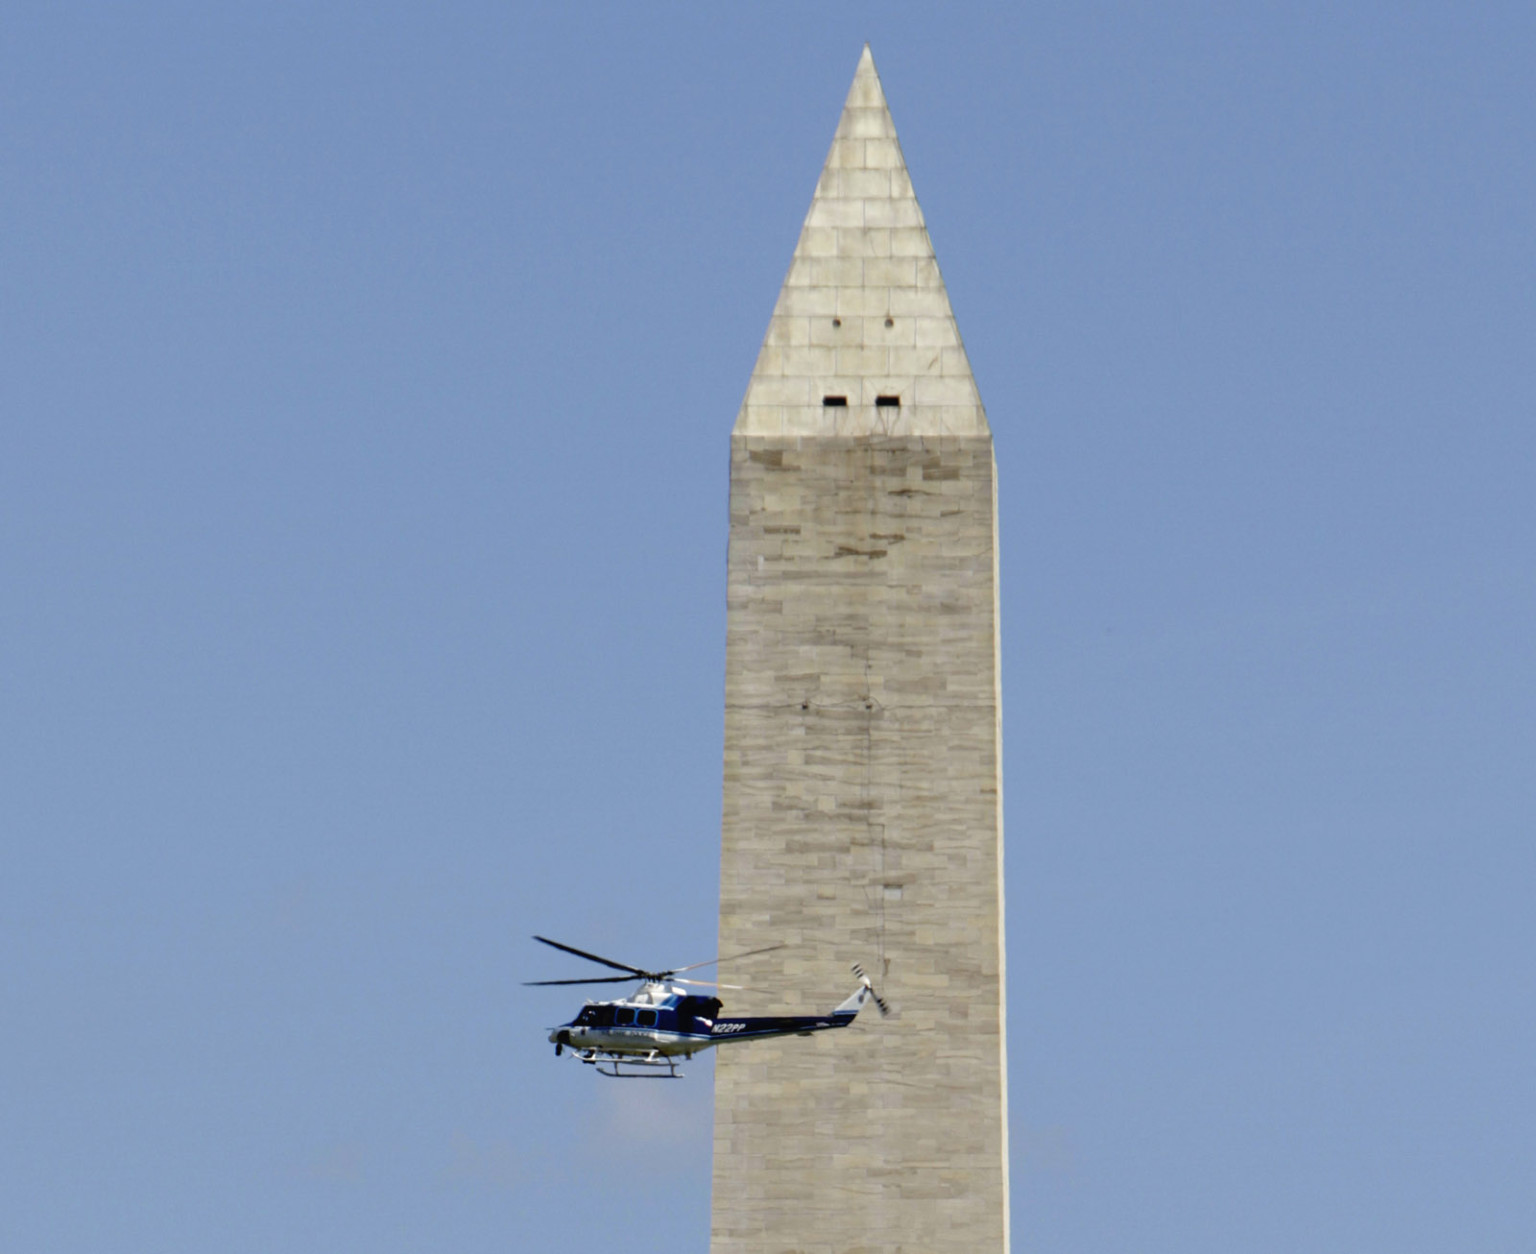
[{"x": 725, "y": 1031}]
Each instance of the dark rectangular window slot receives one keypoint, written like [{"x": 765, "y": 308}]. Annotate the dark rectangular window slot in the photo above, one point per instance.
[
  {"x": 835, "y": 402},
  {"x": 887, "y": 402}
]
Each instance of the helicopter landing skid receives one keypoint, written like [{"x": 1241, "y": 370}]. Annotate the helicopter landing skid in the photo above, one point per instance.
[{"x": 651, "y": 1067}]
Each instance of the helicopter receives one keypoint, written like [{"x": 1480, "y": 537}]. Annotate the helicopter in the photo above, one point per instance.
[{"x": 643, "y": 1035}]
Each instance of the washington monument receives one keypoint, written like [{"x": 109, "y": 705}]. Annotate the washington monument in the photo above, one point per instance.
[{"x": 863, "y": 805}]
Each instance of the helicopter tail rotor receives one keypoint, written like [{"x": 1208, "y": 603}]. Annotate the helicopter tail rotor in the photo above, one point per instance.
[{"x": 880, "y": 1003}]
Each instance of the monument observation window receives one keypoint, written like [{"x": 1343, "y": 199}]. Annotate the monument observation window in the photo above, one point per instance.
[
  {"x": 835, "y": 402},
  {"x": 887, "y": 402}
]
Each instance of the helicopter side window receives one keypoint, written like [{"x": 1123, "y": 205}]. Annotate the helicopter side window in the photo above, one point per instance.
[
  {"x": 623, "y": 1015},
  {"x": 646, "y": 1018}
]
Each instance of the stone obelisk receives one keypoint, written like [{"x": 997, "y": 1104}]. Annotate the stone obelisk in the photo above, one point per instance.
[{"x": 863, "y": 808}]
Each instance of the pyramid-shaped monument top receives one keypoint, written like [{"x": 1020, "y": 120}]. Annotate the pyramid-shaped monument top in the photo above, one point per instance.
[{"x": 863, "y": 341}]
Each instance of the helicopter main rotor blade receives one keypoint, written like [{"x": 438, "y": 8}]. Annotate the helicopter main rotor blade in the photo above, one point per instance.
[
  {"x": 712, "y": 984},
  {"x": 597, "y": 979},
  {"x": 749, "y": 954},
  {"x": 582, "y": 953}
]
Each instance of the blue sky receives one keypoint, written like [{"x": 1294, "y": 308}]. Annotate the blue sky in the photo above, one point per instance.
[{"x": 368, "y": 375}]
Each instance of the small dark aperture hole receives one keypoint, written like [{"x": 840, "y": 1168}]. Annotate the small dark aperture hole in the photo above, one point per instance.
[
  {"x": 835, "y": 402},
  {"x": 887, "y": 402},
  {"x": 837, "y": 322},
  {"x": 890, "y": 322}
]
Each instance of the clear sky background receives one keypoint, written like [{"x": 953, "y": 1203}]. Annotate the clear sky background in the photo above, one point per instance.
[{"x": 368, "y": 372}]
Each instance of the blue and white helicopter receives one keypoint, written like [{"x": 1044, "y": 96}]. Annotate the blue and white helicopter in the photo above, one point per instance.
[{"x": 644, "y": 1034}]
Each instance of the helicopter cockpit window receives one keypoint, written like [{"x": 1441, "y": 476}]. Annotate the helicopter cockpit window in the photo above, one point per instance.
[
  {"x": 646, "y": 1018},
  {"x": 622, "y": 1015}
]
